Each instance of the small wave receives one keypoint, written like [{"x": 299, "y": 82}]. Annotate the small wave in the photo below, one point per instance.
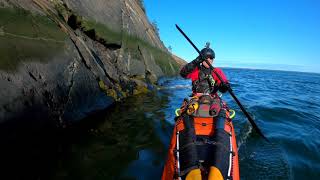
[
  {"x": 175, "y": 87},
  {"x": 244, "y": 135},
  {"x": 267, "y": 160}
]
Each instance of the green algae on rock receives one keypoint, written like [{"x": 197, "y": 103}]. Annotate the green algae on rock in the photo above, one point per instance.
[{"x": 27, "y": 37}]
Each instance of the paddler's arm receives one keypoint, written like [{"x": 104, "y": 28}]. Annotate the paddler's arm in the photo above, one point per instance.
[
  {"x": 188, "y": 68},
  {"x": 224, "y": 85}
]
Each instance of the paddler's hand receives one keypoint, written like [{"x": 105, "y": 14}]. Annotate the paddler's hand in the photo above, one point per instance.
[
  {"x": 224, "y": 87},
  {"x": 198, "y": 60}
]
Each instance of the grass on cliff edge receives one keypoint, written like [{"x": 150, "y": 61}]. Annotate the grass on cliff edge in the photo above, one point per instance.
[
  {"x": 27, "y": 37},
  {"x": 130, "y": 43}
]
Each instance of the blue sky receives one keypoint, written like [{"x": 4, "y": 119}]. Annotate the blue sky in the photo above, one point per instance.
[{"x": 273, "y": 34}]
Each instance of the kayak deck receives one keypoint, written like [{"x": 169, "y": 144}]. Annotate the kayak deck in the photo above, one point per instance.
[{"x": 203, "y": 151}]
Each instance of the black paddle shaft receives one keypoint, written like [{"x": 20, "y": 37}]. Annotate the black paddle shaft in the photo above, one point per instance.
[{"x": 254, "y": 125}]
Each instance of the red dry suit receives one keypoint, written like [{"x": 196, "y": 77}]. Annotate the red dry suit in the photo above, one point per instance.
[{"x": 201, "y": 81}]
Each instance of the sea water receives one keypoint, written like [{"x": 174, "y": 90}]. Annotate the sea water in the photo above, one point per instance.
[{"x": 131, "y": 139}]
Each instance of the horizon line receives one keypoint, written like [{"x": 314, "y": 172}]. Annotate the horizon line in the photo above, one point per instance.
[{"x": 283, "y": 70}]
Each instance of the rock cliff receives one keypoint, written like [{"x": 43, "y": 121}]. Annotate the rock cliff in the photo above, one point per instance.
[{"x": 65, "y": 59}]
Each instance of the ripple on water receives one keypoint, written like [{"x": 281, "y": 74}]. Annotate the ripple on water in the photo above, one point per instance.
[{"x": 262, "y": 160}]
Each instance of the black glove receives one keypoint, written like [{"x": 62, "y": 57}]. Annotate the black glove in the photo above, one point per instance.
[
  {"x": 198, "y": 60},
  {"x": 188, "y": 68},
  {"x": 224, "y": 87}
]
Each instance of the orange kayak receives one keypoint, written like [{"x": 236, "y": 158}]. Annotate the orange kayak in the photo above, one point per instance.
[{"x": 203, "y": 144}]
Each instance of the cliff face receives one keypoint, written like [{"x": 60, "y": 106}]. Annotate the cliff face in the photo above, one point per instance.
[
  {"x": 181, "y": 62},
  {"x": 64, "y": 59}
]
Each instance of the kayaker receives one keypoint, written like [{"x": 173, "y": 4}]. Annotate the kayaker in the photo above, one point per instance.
[
  {"x": 204, "y": 80},
  {"x": 202, "y": 154}
]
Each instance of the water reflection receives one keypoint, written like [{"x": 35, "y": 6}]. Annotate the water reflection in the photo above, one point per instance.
[{"x": 128, "y": 142}]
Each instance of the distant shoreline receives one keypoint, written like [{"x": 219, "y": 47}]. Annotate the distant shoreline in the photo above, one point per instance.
[{"x": 261, "y": 69}]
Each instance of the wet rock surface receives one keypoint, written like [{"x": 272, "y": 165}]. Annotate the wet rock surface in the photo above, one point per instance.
[{"x": 64, "y": 59}]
